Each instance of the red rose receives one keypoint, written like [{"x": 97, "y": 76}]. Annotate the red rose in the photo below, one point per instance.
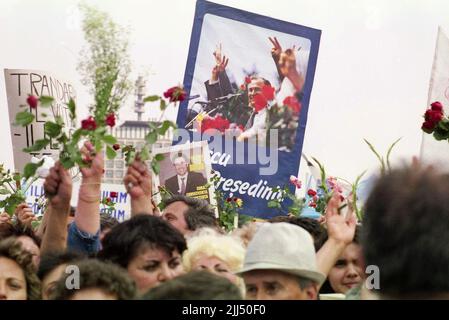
[
  {"x": 342, "y": 198},
  {"x": 242, "y": 87},
  {"x": 235, "y": 199},
  {"x": 433, "y": 116},
  {"x": 268, "y": 92},
  {"x": 89, "y": 124},
  {"x": 175, "y": 94},
  {"x": 113, "y": 194},
  {"x": 437, "y": 106},
  {"x": 313, "y": 205},
  {"x": 428, "y": 126},
  {"x": 293, "y": 104},
  {"x": 228, "y": 200},
  {"x": 311, "y": 192},
  {"x": 116, "y": 146},
  {"x": 260, "y": 102},
  {"x": 32, "y": 101},
  {"x": 110, "y": 120},
  {"x": 247, "y": 80},
  {"x": 108, "y": 200}
]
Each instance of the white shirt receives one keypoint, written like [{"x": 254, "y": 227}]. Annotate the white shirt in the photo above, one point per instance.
[
  {"x": 180, "y": 181},
  {"x": 259, "y": 127}
]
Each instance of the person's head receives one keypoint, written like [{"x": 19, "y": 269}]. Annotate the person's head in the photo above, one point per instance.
[
  {"x": 196, "y": 285},
  {"x": 280, "y": 263},
  {"x": 255, "y": 87},
  {"x": 18, "y": 280},
  {"x": 97, "y": 281},
  {"x": 348, "y": 270},
  {"x": 188, "y": 214},
  {"x": 181, "y": 164},
  {"x": 246, "y": 232},
  {"x": 30, "y": 242},
  {"x": 107, "y": 222},
  {"x": 312, "y": 226},
  {"x": 52, "y": 266},
  {"x": 216, "y": 253},
  {"x": 405, "y": 233},
  {"x": 148, "y": 247}
]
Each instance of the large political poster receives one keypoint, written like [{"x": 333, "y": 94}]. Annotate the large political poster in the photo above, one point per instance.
[
  {"x": 249, "y": 78},
  {"x": 21, "y": 83}
]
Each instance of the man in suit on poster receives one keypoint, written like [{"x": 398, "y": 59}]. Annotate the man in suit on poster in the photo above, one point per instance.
[{"x": 185, "y": 181}]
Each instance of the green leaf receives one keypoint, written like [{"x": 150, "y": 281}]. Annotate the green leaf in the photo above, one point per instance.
[
  {"x": 110, "y": 153},
  {"x": 4, "y": 191},
  {"x": 144, "y": 154},
  {"x": 389, "y": 151},
  {"x": 72, "y": 108},
  {"x": 52, "y": 129},
  {"x": 159, "y": 157},
  {"x": 381, "y": 160},
  {"x": 163, "y": 105},
  {"x": 155, "y": 166},
  {"x": 151, "y": 98},
  {"x": 76, "y": 135},
  {"x": 151, "y": 137},
  {"x": 30, "y": 169},
  {"x": 165, "y": 126},
  {"x": 109, "y": 139},
  {"x": 37, "y": 146},
  {"x": 24, "y": 118},
  {"x": 273, "y": 204},
  {"x": 46, "y": 101},
  {"x": 59, "y": 120},
  {"x": 67, "y": 162}
]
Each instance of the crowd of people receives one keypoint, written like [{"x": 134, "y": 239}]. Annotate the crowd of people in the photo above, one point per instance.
[{"x": 398, "y": 251}]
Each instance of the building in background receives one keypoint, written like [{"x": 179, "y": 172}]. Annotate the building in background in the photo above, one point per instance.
[{"x": 132, "y": 132}]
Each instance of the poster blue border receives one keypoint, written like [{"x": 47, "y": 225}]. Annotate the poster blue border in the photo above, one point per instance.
[{"x": 205, "y": 7}]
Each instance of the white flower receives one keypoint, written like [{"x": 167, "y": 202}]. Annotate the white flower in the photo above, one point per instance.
[{"x": 43, "y": 170}]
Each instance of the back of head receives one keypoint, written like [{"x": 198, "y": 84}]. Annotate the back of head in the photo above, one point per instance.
[
  {"x": 199, "y": 213},
  {"x": 312, "y": 226},
  {"x": 94, "y": 274},
  {"x": 52, "y": 260},
  {"x": 124, "y": 241},
  {"x": 197, "y": 285},
  {"x": 406, "y": 232}
]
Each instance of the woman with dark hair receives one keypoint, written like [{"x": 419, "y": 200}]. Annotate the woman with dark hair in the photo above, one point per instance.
[
  {"x": 30, "y": 242},
  {"x": 148, "y": 247},
  {"x": 52, "y": 267},
  {"x": 18, "y": 280},
  {"x": 347, "y": 273}
]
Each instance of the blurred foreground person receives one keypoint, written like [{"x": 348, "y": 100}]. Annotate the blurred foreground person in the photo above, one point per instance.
[
  {"x": 406, "y": 234},
  {"x": 196, "y": 285}
]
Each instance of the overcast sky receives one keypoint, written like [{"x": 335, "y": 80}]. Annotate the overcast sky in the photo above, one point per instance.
[{"x": 371, "y": 79}]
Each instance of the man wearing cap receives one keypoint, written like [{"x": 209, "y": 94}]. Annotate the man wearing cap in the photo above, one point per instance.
[
  {"x": 184, "y": 182},
  {"x": 280, "y": 264}
]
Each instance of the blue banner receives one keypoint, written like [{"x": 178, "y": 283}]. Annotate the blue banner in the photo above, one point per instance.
[{"x": 249, "y": 79}]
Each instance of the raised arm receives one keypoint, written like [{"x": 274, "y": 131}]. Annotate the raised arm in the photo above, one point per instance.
[
  {"x": 138, "y": 183},
  {"x": 87, "y": 215},
  {"x": 340, "y": 231},
  {"x": 58, "y": 187}
]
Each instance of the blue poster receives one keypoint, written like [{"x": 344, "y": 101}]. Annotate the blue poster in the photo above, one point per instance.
[{"x": 249, "y": 79}]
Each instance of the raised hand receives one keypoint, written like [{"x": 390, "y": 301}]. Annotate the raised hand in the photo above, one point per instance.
[
  {"x": 58, "y": 186},
  {"x": 138, "y": 183},
  {"x": 221, "y": 63},
  {"x": 96, "y": 161},
  {"x": 138, "y": 180},
  {"x": 25, "y": 214},
  {"x": 339, "y": 227},
  {"x": 4, "y": 218},
  {"x": 276, "y": 50}
]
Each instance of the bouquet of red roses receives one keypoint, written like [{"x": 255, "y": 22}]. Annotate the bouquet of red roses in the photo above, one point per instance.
[{"x": 435, "y": 122}]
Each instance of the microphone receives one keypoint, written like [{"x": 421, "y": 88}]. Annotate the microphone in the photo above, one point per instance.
[
  {"x": 227, "y": 97},
  {"x": 192, "y": 97}
]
